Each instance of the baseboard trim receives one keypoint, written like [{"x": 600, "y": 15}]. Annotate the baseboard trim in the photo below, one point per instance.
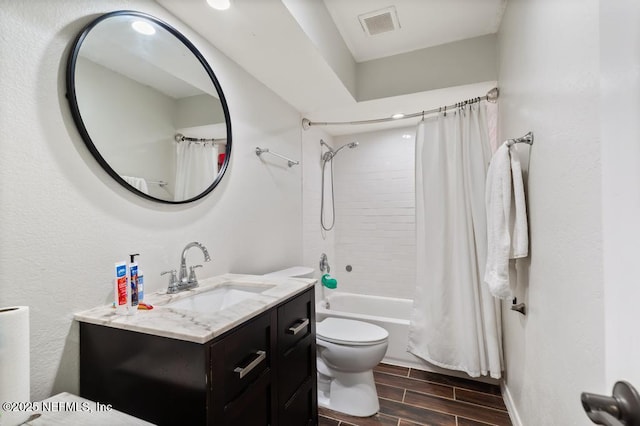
[{"x": 511, "y": 407}]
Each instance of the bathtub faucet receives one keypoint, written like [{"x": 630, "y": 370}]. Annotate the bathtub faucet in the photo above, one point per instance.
[{"x": 324, "y": 263}]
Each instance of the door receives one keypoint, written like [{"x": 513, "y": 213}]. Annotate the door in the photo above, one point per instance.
[{"x": 620, "y": 141}]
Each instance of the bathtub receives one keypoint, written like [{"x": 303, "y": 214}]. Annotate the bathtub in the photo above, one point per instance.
[{"x": 390, "y": 313}]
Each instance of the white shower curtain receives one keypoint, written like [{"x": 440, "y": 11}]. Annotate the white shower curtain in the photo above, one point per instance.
[
  {"x": 196, "y": 169},
  {"x": 455, "y": 322}
]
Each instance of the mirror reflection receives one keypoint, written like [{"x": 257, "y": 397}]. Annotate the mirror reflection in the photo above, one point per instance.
[{"x": 149, "y": 107}]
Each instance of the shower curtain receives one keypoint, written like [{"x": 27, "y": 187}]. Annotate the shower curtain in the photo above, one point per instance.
[
  {"x": 455, "y": 322},
  {"x": 196, "y": 169}
]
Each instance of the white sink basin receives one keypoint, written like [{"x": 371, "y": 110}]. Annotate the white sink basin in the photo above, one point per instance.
[{"x": 219, "y": 298}]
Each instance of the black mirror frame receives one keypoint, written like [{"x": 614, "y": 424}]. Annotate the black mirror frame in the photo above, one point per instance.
[{"x": 77, "y": 118}]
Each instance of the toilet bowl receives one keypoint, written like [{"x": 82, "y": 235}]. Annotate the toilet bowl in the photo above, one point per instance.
[{"x": 347, "y": 352}]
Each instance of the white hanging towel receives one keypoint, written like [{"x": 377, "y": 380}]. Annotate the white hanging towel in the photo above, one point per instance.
[
  {"x": 138, "y": 183},
  {"x": 507, "y": 230}
]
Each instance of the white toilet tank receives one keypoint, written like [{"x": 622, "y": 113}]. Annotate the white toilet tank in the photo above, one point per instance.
[{"x": 293, "y": 272}]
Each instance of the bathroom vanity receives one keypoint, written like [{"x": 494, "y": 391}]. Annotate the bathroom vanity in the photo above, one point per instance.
[{"x": 238, "y": 350}]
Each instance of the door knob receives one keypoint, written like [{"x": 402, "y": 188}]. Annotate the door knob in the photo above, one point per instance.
[{"x": 620, "y": 409}]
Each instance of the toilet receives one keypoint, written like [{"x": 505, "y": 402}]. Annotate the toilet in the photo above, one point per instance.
[{"x": 347, "y": 351}]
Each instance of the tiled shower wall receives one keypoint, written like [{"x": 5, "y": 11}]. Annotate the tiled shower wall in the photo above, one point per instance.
[{"x": 375, "y": 213}]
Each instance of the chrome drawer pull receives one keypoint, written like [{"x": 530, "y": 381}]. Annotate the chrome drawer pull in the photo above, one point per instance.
[
  {"x": 298, "y": 329},
  {"x": 262, "y": 355}
]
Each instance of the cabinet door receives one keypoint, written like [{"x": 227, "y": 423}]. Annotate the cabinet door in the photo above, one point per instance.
[
  {"x": 302, "y": 408},
  {"x": 241, "y": 364},
  {"x": 297, "y": 391},
  {"x": 154, "y": 378},
  {"x": 254, "y": 406}
]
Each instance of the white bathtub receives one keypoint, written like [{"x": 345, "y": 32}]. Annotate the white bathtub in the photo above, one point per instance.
[
  {"x": 387, "y": 312},
  {"x": 390, "y": 313}
]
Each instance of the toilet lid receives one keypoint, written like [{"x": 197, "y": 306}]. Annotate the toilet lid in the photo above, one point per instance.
[{"x": 351, "y": 332}]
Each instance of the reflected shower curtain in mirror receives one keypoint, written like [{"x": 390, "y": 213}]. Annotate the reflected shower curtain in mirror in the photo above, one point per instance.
[
  {"x": 455, "y": 322},
  {"x": 196, "y": 168}
]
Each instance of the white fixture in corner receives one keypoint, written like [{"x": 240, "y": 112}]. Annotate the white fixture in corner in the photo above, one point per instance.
[
  {"x": 219, "y": 4},
  {"x": 397, "y": 116},
  {"x": 143, "y": 27}
]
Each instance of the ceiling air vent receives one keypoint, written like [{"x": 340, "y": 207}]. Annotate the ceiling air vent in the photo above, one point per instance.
[{"x": 379, "y": 21}]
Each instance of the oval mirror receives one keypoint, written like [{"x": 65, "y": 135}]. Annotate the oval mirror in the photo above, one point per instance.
[{"x": 149, "y": 107}]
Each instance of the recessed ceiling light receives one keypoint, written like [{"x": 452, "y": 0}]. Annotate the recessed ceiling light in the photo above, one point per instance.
[
  {"x": 219, "y": 4},
  {"x": 406, "y": 136},
  {"x": 143, "y": 27},
  {"x": 397, "y": 116}
]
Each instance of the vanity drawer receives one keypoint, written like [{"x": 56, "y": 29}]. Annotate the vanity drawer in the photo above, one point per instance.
[
  {"x": 299, "y": 363},
  {"x": 295, "y": 321},
  {"x": 301, "y": 409},
  {"x": 240, "y": 358},
  {"x": 253, "y": 407}
]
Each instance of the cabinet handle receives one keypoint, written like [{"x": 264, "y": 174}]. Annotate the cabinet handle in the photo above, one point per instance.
[
  {"x": 262, "y": 355},
  {"x": 299, "y": 328}
]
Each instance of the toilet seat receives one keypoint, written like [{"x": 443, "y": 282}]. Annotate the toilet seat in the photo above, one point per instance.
[{"x": 350, "y": 332}]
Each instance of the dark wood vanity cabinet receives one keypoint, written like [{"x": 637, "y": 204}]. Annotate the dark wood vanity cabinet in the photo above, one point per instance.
[
  {"x": 297, "y": 390},
  {"x": 262, "y": 372}
]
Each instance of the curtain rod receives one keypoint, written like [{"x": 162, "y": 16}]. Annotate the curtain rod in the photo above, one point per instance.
[
  {"x": 491, "y": 96},
  {"x": 179, "y": 137}
]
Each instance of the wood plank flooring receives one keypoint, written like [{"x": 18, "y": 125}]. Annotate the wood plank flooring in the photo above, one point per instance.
[{"x": 410, "y": 397}]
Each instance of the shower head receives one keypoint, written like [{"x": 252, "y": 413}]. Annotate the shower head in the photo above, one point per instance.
[
  {"x": 349, "y": 145},
  {"x": 328, "y": 155}
]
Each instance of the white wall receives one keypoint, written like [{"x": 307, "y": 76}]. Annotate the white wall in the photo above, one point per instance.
[
  {"x": 64, "y": 221},
  {"x": 198, "y": 110},
  {"x": 316, "y": 21},
  {"x": 620, "y": 107},
  {"x": 141, "y": 144},
  {"x": 375, "y": 213},
  {"x": 452, "y": 64},
  {"x": 548, "y": 73}
]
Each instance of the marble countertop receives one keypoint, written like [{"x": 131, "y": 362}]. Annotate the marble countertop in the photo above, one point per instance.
[
  {"x": 193, "y": 326},
  {"x": 65, "y": 409}
]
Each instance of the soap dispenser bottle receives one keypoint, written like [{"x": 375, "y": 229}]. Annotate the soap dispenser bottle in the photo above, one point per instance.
[{"x": 133, "y": 280}]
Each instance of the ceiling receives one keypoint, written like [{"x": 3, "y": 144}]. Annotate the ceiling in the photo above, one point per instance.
[
  {"x": 309, "y": 51},
  {"x": 423, "y": 23}
]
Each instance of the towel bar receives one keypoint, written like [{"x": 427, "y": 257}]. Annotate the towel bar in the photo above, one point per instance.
[
  {"x": 528, "y": 139},
  {"x": 518, "y": 307},
  {"x": 290, "y": 162}
]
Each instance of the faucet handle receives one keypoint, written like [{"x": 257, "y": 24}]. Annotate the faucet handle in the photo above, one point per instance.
[
  {"x": 173, "y": 281},
  {"x": 193, "y": 281}
]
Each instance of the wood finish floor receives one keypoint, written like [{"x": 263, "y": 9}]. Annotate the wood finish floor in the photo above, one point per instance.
[{"x": 410, "y": 397}]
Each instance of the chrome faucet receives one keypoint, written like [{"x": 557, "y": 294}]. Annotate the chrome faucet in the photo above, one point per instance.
[{"x": 185, "y": 281}]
